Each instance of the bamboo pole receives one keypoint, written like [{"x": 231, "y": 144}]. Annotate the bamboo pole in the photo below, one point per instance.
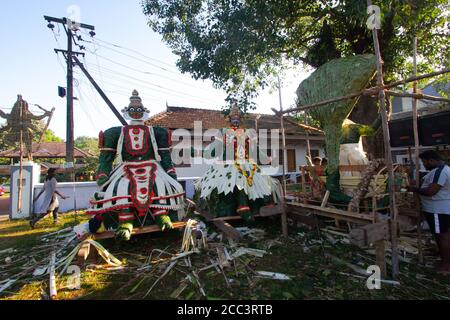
[
  {"x": 301, "y": 125},
  {"x": 416, "y": 95},
  {"x": 52, "y": 283},
  {"x": 416, "y": 78},
  {"x": 322, "y": 103},
  {"x": 308, "y": 142},
  {"x": 284, "y": 226},
  {"x": 388, "y": 154},
  {"x": 374, "y": 91},
  {"x": 416, "y": 150}
]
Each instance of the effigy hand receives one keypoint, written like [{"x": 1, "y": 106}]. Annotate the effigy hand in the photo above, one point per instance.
[
  {"x": 102, "y": 180},
  {"x": 173, "y": 175},
  {"x": 248, "y": 216},
  {"x": 164, "y": 222},
  {"x": 123, "y": 232}
]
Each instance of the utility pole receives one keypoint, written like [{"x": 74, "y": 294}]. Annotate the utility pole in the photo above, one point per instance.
[
  {"x": 70, "y": 143},
  {"x": 70, "y": 27}
]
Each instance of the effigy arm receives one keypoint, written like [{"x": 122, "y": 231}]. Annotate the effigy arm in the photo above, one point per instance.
[
  {"x": 163, "y": 138},
  {"x": 108, "y": 141}
]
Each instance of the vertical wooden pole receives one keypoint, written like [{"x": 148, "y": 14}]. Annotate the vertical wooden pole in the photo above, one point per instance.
[
  {"x": 20, "y": 185},
  {"x": 416, "y": 152},
  {"x": 70, "y": 174},
  {"x": 284, "y": 226},
  {"x": 303, "y": 173},
  {"x": 388, "y": 153},
  {"x": 380, "y": 251},
  {"x": 415, "y": 117},
  {"x": 308, "y": 142}
]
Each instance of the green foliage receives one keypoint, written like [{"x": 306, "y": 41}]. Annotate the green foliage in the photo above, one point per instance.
[
  {"x": 90, "y": 145},
  {"x": 47, "y": 136},
  {"x": 303, "y": 117},
  {"x": 241, "y": 45}
]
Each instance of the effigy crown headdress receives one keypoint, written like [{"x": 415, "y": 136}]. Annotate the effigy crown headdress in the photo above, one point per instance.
[
  {"x": 235, "y": 112},
  {"x": 136, "y": 106}
]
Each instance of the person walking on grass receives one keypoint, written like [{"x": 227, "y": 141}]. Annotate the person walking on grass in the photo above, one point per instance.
[
  {"x": 50, "y": 203},
  {"x": 435, "y": 197}
]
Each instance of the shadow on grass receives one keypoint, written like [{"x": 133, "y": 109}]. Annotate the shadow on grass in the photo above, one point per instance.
[{"x": 301, "y": 257}]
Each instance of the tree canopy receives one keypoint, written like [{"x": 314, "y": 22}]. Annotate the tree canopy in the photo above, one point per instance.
[
  {"x": 241, "y": 45},
  {"x": 88, "y": 144}
]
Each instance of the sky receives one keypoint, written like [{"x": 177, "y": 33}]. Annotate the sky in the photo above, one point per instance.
[{"x": 124, "y": 55}]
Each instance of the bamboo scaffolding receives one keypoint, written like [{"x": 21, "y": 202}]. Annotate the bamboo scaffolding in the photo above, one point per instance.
[
  {"x": 416, "y": 148},
  {"x": 374, "y": 91},
  {"x": 381, "y": 91},
  {"x": 388, "y": 153},
  {"x": 284, "y": 226},
  {"x": 303, "y": 126},
  {"x": 416, "y": 96},
  {"x": 416, "y": 78}
]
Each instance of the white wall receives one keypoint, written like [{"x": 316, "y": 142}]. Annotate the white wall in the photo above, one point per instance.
[
  {"x": 80, "y": 194},
  {"x": 83, "y": 191}
]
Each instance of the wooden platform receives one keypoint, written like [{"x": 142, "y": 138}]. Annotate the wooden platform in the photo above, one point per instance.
[
  {"x": 304, "y": 209},
  {"x": 136, "y": 231},
  {"x": 227, "y": 229}
]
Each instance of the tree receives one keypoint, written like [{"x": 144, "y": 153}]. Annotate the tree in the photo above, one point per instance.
[
  {"x": 47, "y": 136},
  {"x": 89, "y": 145},
  {"x": 242, "y": 44}
]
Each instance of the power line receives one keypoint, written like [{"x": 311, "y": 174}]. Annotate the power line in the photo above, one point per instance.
[
  {"x": 136, "y": 58},
  {"x": 149, "y": 73},
  {"x": 129, "y": 49},
  {"x": 170, "y": 91},
  {"x": 92, "y": 97},
  {"x": 81, "y": 100}
]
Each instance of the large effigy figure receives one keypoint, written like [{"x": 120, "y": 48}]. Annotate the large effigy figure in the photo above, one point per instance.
[
  {"x": 334, "y": 79},
  {"x": 234, "y": 184},
  {"x": 142, "y": 188},
  {"x": 22, "y": 120}
]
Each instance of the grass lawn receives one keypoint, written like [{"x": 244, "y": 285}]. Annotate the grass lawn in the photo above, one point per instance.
[{"x": 304, "y": 257}]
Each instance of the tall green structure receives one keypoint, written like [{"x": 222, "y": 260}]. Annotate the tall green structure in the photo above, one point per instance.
[{"x": 334, "y": 79}]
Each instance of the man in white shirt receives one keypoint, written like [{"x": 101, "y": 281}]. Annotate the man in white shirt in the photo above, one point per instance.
[{"x": 435, "y": 197}]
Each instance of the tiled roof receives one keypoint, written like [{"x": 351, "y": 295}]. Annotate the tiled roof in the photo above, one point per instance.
[
  {"x": 183, "y": 118},
  {"x": 46, "y": 150}
]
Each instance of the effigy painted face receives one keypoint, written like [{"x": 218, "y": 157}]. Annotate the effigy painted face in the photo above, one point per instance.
[
  {"x": 235, "y": 122},
  {"x": 136, "y": 110},
  {"x": 136, "y": 113}
]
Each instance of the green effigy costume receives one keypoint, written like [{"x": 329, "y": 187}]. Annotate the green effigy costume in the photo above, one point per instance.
[
  {"x": 336, "y": 78},
  {"x": 234, "y": 184},
  {"x": 142, "y": 188}
]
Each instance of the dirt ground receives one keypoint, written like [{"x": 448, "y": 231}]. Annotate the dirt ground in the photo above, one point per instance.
[{"x": 307, "y": 257}]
